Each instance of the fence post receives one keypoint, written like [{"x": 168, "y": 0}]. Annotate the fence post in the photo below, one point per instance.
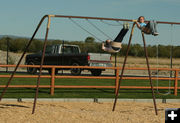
[
  {"x": 117, "y": 80},
  {"x": 176, "y": 82},
  {"x": 52, "y": 80}
]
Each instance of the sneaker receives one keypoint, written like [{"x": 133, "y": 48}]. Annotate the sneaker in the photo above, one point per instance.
[
  {"x": 156, "y": 33},
  {"x": 126, "y": 25}
]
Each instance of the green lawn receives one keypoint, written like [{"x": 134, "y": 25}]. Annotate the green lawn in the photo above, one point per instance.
[{"x": 83, "y": 93}]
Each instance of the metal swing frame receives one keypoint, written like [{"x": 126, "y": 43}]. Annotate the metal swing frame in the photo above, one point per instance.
[{"x": 44, "y": 48}]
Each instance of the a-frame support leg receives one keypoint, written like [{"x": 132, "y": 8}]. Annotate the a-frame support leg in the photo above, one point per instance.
[
  {"x": 26, "y": 48},
  {"x": 42, "y": 62},
  {"x": 124, "y": 64},
  {"x": 122, "y": 72},
  {"x": 149, "y": 72}
]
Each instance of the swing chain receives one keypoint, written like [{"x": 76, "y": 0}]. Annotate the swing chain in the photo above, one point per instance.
[
  {"x": 169, "y": 92},
  {"x": 85, "y": 29}
]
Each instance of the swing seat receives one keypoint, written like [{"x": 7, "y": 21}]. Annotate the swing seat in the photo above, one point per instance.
[
  {"x": 164, "y": 94},
  {"x": 146, "y": 30},
  {"x": 114, "y": 47},
  {"x": 116, "y": 44},
  {"x": 112, "y": 50}
]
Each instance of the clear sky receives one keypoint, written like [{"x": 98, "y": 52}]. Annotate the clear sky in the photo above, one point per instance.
[{"x": 20, "y": 18}]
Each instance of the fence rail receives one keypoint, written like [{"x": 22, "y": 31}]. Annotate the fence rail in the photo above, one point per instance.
[{"x": 52, "y": 85}]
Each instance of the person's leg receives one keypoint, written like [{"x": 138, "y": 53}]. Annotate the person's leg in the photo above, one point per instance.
[
  {"x": 151, "y": 27},
  {"x": 121, "y": 35},
  {"x": 155, "y": 29}
]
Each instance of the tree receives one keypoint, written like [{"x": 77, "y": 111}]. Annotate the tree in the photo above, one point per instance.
[
  {"x": 3, "y": 43},
  {"x": 89, "y": 40},
  {"x": 136, "y": 50},
  {"x": 163, "y": 51}
]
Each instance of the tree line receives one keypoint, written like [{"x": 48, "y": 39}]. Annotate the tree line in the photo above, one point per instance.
[{"x": 89, "y": 45}]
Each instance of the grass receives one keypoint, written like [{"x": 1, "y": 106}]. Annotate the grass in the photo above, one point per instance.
[{"x": 84, "y": 93}]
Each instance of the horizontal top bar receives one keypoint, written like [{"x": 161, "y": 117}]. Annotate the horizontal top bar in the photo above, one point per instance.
[{"x": 113, "y": 19}]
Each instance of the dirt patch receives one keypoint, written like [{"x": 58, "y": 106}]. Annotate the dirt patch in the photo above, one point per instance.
[
  {"x": 83, "y": 112},
  {"x": 154, "y": 62},
  {"x": 13, "y": 57}
]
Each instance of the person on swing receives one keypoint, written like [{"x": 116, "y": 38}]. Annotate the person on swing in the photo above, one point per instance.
[
  {"x": 115, "y": 46},
  {"x": 149, "y": 28}
]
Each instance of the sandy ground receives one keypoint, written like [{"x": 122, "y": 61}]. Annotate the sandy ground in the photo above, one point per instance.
[{"x": 83, "y": 112}]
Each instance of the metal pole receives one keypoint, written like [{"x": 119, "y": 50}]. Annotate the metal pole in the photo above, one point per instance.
[
  {"x": 171, "y": 57},
  {"x": 115, "y": 64},
  {"x": 12, "y": 75},
  {"x": 115, "y": 59},
  {"x": 42, "y": 61},
  {"x": 113, "y": 19},
  {"x": 7, "y": 55},
  {"x": 171, "y": 50},
  {"x": 122, "y": 71},
  {"x": 149, "y": 72},
  {"x": 62, "y": 56}
]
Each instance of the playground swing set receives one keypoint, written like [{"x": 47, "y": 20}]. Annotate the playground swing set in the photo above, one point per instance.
[{"x": 114, "y": 44}]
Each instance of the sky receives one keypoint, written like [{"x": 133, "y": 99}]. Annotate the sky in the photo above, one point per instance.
[{"x": 21, "y": 17}]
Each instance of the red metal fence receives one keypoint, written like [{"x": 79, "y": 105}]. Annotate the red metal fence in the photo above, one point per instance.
[{"x": 52, "y": 86}]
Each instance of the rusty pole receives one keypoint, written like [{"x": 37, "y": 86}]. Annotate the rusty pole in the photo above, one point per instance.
[
  {"x": 149, "y": 72},
  {"x": 52, "y": 80},
  {"x": 42, "y": 62},
  {"x": 113, "y": 19},
  {"x": 176, "y": 82},
  {"x": 124, "y": 64},
  {"x": 29, "y": 43}
]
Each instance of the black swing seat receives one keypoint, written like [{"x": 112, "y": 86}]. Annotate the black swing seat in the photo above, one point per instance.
[{"x": 146, "y": 30}]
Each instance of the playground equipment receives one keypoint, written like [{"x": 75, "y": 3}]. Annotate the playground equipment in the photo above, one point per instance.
[{"x": 81, "y": 17}]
